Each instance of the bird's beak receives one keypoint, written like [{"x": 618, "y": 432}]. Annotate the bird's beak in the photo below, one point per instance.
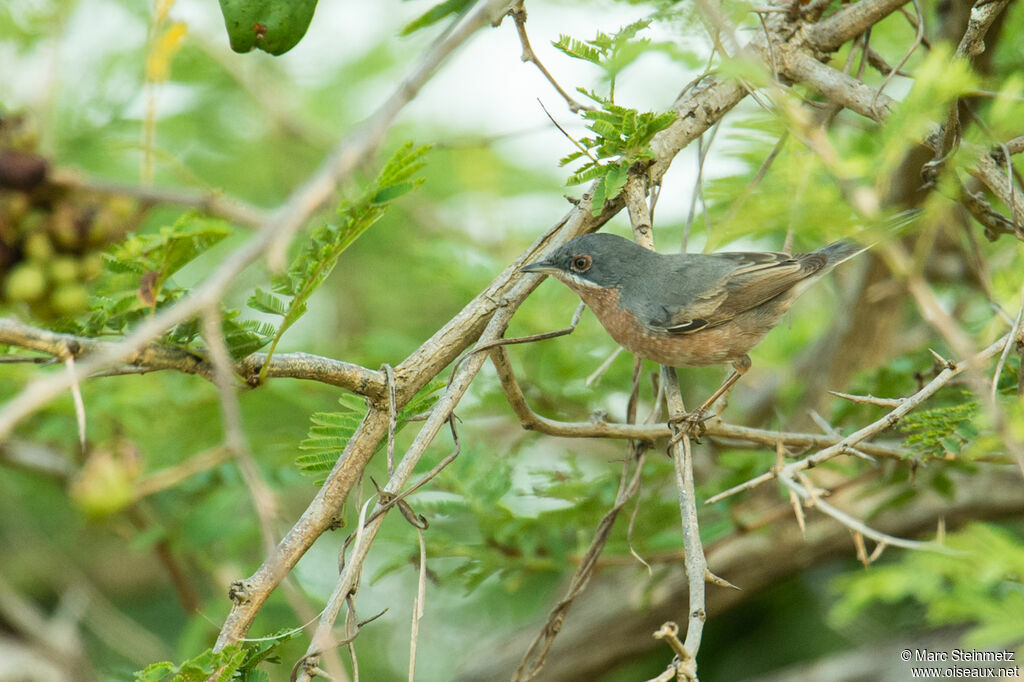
[{"x": 540, "y": 266}]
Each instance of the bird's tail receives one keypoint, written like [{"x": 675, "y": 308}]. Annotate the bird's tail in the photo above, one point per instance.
[
  {"x": 844, "y": 250},
  {"x": 838, "y": 252}
]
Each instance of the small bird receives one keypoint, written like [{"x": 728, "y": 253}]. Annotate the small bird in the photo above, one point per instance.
[{"x": 687, "y": 309}]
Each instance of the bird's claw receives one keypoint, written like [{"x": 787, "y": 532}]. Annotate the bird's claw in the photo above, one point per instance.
[{"x": 691, "y": 424}]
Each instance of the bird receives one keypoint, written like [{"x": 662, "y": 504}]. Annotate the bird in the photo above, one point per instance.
[{"x": 687, "y": 309}]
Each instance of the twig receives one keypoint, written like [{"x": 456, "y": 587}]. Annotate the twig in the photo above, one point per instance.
[
  {"x": 304, "y": 662},
  {"x": 76, "y": 398},
  {"x": 738, "y": 203},
  {"x": 583, "y": 150},
  {"x": 518, "y": 13},
  {"x": 533, "y": 660},
  {"x": 698, "y": 186},
  {"x": 173, "y": 475},
  {"x": 212, "y": 203},
  {"x": 852, "y": 523},
  {"x": 918, "y": 37},
  {"x": 716, "y": 428},
  {"x": 596, "y": 375},
  {"x": 890, "y": 419},
  {"x": 417, "y": 605},
  {"x": 869, "y": 399},
  {"x": 235, "y": 440},
  {"x": 1014, "y": 339}
]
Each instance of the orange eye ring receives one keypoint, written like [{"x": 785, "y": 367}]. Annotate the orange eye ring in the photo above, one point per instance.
[{"x": 581, "y": 262}]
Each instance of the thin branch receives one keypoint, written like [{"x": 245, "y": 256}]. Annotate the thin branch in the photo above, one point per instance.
[
  {"x": 163, "y": 479},
  {"x": 518, "y": 13},
  {"x": 213, "y": 203},
  {"x": 695, "y": 561},
  {"x": 889, "y": 420},
  {"x": 536, "y": 654},
  {"x": 698, "y": 185},
  {"x": 852, "y": 523},
  {"x": 918, "y": 37},
  {"x": 154, "y": 357},
  {"x": 681, "y": 453},
  {"x": 1014, "y": 339},
  {"x": 716, "y": 428},
  {"x": 869, "y": 399},
  {"x": 417, "y": 606},
  {"x": 235, "y": 441}
]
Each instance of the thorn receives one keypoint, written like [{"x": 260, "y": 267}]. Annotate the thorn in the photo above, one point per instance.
[
  {"x": 948, "y": 364},
  {"x": 710, "y": 577}
]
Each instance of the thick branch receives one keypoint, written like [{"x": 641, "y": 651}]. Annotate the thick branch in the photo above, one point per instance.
[
  {"x": 828, "y": 35},
  {"x": 797, "y": 65}
]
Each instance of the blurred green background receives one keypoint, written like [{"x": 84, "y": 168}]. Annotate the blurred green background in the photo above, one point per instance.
[{"x": 515, "y": 512}]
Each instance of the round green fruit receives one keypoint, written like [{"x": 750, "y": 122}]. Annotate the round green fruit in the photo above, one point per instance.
[
  {"x": 26, "y": 282},
  {"x": 69, "y": 299},
  {"x": 274, "y": 26}
]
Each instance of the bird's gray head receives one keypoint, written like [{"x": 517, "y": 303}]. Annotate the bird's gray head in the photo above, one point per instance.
[{"x": 602, "y": 260}]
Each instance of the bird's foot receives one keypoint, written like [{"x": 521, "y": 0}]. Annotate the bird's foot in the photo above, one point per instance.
[{"x": 690, "y": 424}]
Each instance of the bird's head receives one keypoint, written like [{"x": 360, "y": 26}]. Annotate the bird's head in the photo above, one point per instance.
[{"x": 594, "y": 260}]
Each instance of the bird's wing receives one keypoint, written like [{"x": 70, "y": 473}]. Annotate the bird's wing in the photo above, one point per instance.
[{"x": 750, "y": 280}]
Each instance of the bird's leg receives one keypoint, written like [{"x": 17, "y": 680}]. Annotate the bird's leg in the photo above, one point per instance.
[{"x": 695, "y": 420}]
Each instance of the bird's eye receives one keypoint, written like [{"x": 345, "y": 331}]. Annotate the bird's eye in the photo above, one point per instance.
[{"x": 581, "y": 263}]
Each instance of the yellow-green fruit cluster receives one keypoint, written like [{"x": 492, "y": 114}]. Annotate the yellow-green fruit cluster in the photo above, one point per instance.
[
  {"x": 49, "y": 253},
  {"x": 51, "y": 235}
]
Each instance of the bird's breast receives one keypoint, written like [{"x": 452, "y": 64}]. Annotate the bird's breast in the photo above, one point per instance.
[{"x": 717, "y": 345}]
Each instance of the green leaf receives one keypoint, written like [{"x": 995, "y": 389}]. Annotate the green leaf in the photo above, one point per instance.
[
  {"x": 615, "y": 180},
  {"x": 320, "y": 254},
  {"x": 329, "y": 432},
  {"x": 436, "y": 14},
  {"x": 393, "y": 192},
  {"x": 266, "y": 302},
  {"x": 578, "y": 49},
  {"x": 597, "y": 201}
]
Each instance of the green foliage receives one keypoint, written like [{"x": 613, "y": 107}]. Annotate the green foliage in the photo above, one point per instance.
[
  {"x": 233, "y": 662},
  {"x": 980, "y": 586},
  {"x": 475, "y": 530},
  {"x": 320, "y": 254},
  {"x": 138, "y": 283},
  {"x": 613, "y": 53},
  {"x": 942, "y": 431},
  {"x": 274, "y": 26},
  {"x": 155, "y": 257},
  {"x": 329, "y": 432},
  {"x": 436, "y": 14},
  {"x": 622, "y": 139},
  {"x": 794, "y": 194}
]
